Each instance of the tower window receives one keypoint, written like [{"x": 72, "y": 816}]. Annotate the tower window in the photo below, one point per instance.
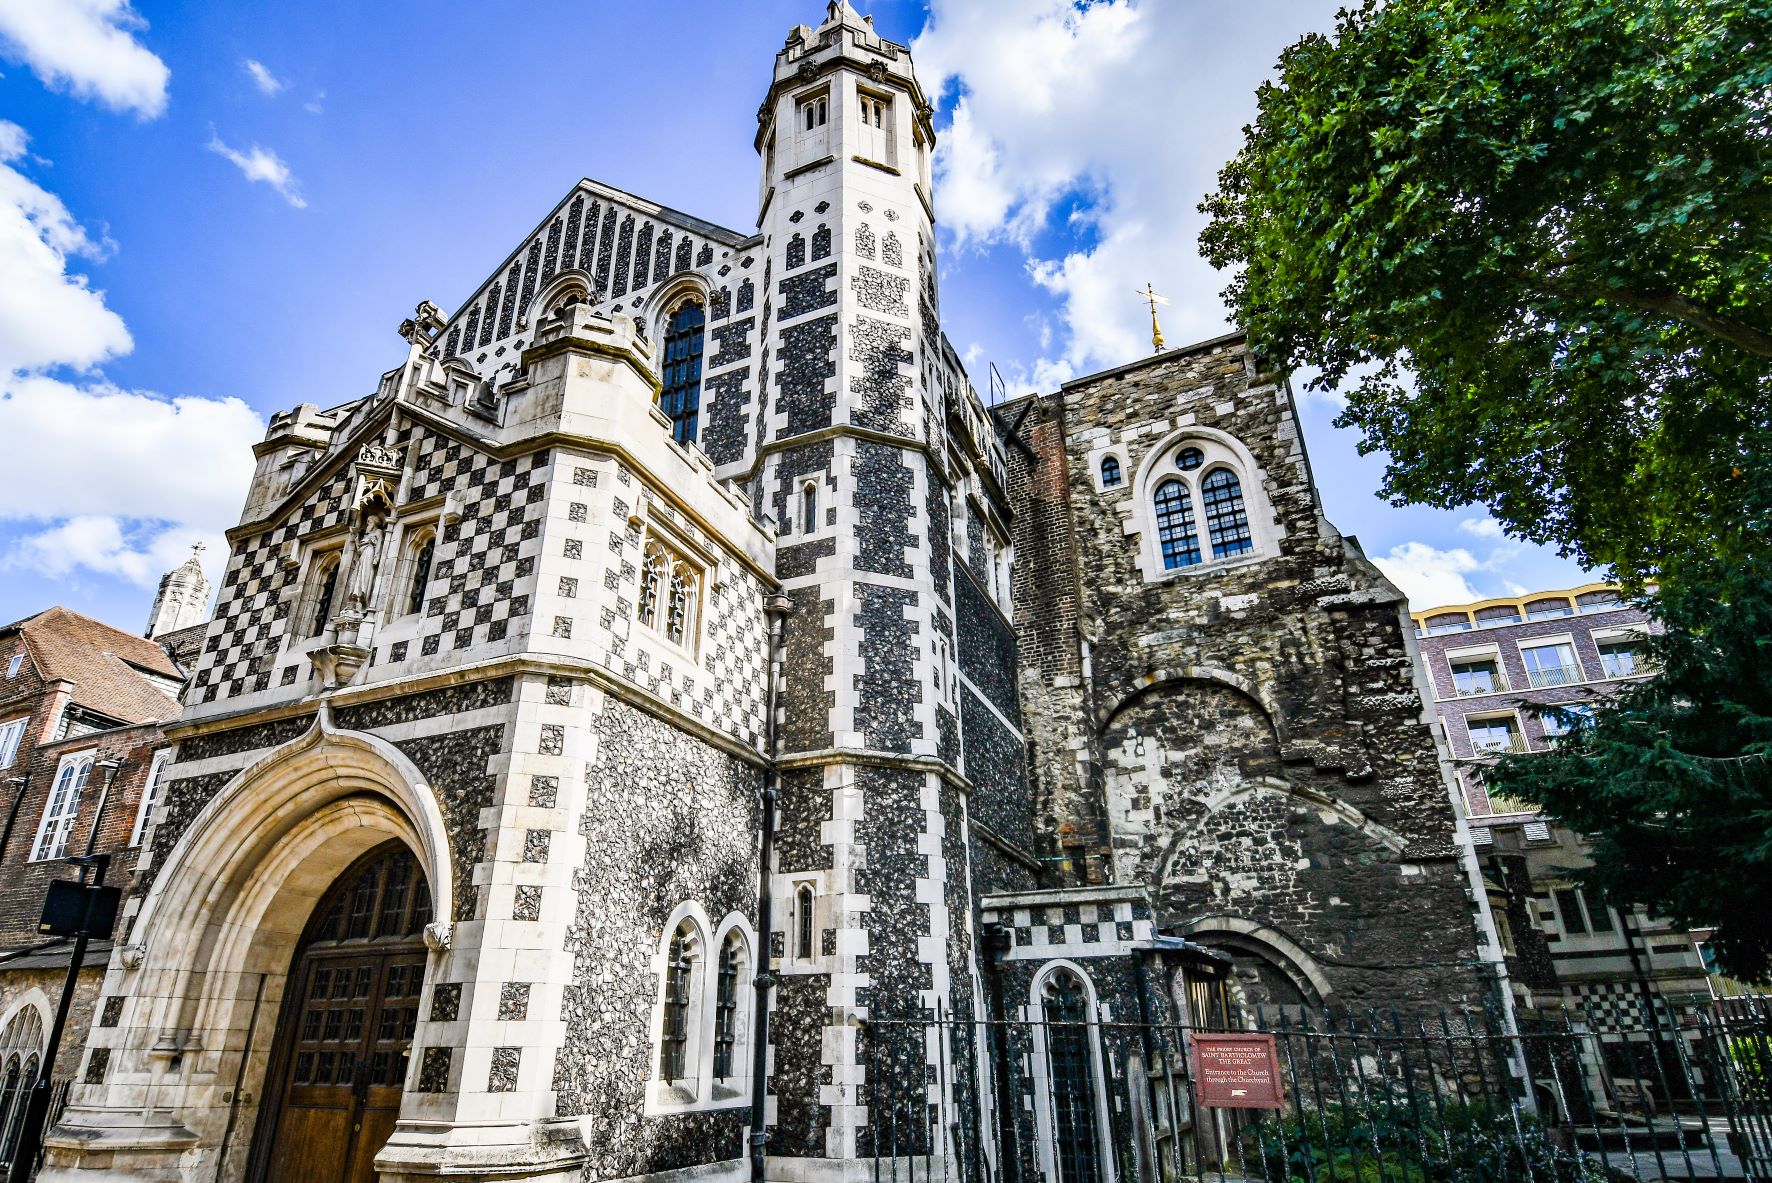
[
  {"x": 325, "y": 590},
  {"x": 1227, "y": 521},
  {"x": 680, "y": 380},
  {"x": 1110, "y": 472},
  {"x": 1189, "y": 459},
  {"x": 1176, "y": 534},
  {"x": 808, "y": 507},
  {"x": 876, "y": 128},
  {"x": 670, "y": 593},
  {"x": 803, "y": 922},
  {"x": 814, "y": 112}
]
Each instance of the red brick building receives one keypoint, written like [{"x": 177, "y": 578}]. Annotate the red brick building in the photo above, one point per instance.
[{"x": 80, "y": 701}]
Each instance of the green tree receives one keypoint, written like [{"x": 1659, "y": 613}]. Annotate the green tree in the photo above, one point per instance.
[
  {"x": 1671, "y": 780},
  {"x": 1530, "y": 241}
]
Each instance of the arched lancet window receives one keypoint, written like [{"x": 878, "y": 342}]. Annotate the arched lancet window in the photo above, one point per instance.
[
  {"x": 1070, "y": 1064},
  {"x": 1227, "y": 520},
  {"x": 732, "y": 958},
  {"x": 1110, "y": 471},
  {"x": 20, "y": 1045},
  {"x": 326, "y": 588},
  {"x": 673, "y": 1049},
  {"x": 1176, "y": 534},
  {"x": 422, "y": 553},
  {"x": 803, "y": 922},
  {"x": 669, "y": 593},
  {"x": 655, "y": 569},
  {"x": 680, "y": 377},
  {"x": 808, "y": 507}
]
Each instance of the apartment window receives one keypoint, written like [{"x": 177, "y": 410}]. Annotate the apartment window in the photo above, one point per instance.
[
  {"x": 670, "y": 594},
  {"x": 1476, "y": 676},
  {"x": 63, "y": 807},
  {"x": 1564, "y": 719},
  {"x": 814, "y": 112},
  {"x": 1581, "y": 915},
  {"x": 12, "y": 733},
  {"x": 1110, "y": 472},
  {"x": 1550, "y": 665},
  {"x": 1536, "y": 831},
  {"x": 680, "y": 381},
  {"x": 1448, "y": 622},
  {"x": 1620, "y": 659},
  {"x": 150, "y": 795},
  {"x": 13, "y": 666},
  {"x": 1227, "y": 519},
  {"x": 1606, "y": 600},
  {"x": 1497, "y": 614},
  {"x": 1489, "y": 736},
  {"x": 1548, "y": 609},
  {"x": 1175, "y": 526}
]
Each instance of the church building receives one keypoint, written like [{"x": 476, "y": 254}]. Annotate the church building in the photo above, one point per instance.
[{"x": 675, "y": 549}]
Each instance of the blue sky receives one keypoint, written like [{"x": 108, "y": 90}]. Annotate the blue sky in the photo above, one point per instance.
[{"x": 211, "y": 211}]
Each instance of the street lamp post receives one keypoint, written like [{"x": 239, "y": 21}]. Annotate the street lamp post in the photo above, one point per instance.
[{"x": 92, "y": 877}]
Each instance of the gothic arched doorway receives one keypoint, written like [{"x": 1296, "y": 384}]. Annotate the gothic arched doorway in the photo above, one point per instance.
[{"x": 338, "y": 1066}]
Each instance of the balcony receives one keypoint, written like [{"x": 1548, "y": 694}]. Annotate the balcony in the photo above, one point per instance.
[
  {"x": 1497, "y": 747},
  {"x": 1554, "y": 675},
  {"x": 1475, "y": 689}
]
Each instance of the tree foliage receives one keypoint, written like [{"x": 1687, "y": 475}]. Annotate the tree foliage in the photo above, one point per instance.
[
  {"x": 1530, "y": 241},
  {"x": 1671, "y": 780}
]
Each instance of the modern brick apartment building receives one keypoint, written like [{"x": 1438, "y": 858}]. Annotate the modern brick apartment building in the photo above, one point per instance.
[{"x": 1492, "y": 665}]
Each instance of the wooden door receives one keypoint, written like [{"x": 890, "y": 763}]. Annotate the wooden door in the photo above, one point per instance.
[{"x": 345, "y": 1033}]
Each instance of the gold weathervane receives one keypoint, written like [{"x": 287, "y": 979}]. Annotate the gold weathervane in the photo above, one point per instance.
[{"x": 1150, "y": 296}]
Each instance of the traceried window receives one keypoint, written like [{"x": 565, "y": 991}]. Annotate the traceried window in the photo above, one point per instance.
[
  {"x": 1176, "y": 535},
  {"x": 63, "y": 807},
  {"x": 1227, "y": 519},
  {"x": 1110, "y": 472},
  {"x": 1189, "y": 459},
  {"x": 814, "y": 112},
  {"x": 680, "y": 378},
  {"x": 726, "y": 1007},
  {"x": 670, "y": 594},
  {"x": 673, "y": 1053}
]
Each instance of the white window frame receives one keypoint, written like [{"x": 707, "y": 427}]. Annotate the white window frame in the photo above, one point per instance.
[
  {"x": 876, "y": 141},
  {"x": 55, "y": 831},
  {"x": 698, "y": 1089},
  {"x": 14, "y": 666},
  {"x": 1511, "y": 718},
  {"x": 1219, "y": 450},
  {"x": 150, "y": 795},
  {"x": 1578, "y": 673},
  {"x": 12, "y": 737}
]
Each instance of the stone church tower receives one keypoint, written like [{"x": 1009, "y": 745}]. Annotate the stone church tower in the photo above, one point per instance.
[
  {"x": 182, "y": 600},
  {"x": 455, "y": 872}
]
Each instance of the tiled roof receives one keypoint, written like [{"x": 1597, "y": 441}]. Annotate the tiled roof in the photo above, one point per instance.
[{"x": 101, "y": 662}]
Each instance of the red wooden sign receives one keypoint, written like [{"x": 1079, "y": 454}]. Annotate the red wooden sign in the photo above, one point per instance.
[{"x": 1237, "y": 1072}]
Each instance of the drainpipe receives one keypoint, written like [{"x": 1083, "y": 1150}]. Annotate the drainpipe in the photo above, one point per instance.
[
  {"x": 777, "y": 606},
  {"x": 18, "y": 799}
]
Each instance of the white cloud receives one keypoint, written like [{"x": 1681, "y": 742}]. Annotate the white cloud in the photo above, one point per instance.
[
  {"x": 1430, "y": 576},
  {"x": 1118, "y": 111},
  {"x": 1482, "y": 528},
  {"x": 317, "y": 104},
  {"x": 48, "y": 317},
  {"x": 267, "y": 82},
  {"x": 88, "y": 48},
  {"x": 105, "y": 480},
  {"x": 262, "y": 164}
]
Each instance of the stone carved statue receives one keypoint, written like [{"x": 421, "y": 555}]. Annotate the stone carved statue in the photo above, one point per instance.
[{"x": 363, "y": 564}]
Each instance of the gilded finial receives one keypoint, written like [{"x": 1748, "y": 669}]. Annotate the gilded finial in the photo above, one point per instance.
[{"x": 1150, "y": 296}]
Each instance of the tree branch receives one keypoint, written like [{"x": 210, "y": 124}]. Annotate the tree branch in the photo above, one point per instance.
[{"x": 1689, "y": 311}]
